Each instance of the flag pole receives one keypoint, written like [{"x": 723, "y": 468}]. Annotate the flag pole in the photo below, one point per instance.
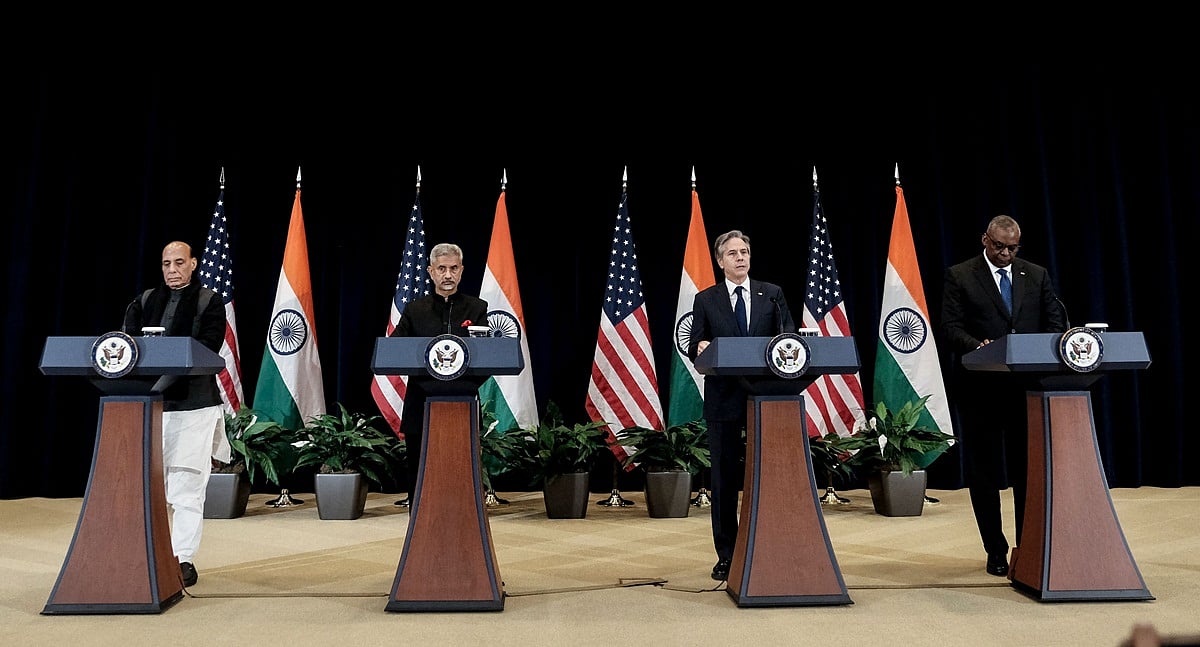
[
  {"x": 615, "y": 500},
  {"x": 928, "y": 499},
  {"x": 701, "y": 500},
  {"x": 285, "y": 499},
  {"x": 831, "y": 495},
  {"x": 490, "y": 499}
]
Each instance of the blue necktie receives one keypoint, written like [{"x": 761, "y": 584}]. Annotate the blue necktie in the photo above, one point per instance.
[
  {"x": 1006, "y": 289},
  {"x": 739, "y": 311}
]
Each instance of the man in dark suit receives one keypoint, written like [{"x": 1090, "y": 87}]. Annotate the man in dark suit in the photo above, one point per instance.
[
  {"x": 716, "y": 312},
  {"x": 984, "y": 298},
  {"x": 446, "y": 311}
]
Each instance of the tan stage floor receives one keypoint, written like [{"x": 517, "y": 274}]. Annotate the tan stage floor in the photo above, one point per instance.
[{"x": 282, "y": 576}]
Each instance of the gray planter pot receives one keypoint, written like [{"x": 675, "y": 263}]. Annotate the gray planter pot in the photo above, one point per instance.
[
  {"x": 897, "y": 495},
  {"x": 668, "y": 493},
  {"x": 226, "y": 496},
  {"x": 340, "y": 496},
  {"x": 566, "y": 495}
]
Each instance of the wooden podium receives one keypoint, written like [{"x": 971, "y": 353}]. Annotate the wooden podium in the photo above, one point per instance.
[
  {"x": 782, "y": 556},
  {"x": 1071, "y": 546},
  {"x": 449, "y": 560},
  {"x": 120, "y": 559}
]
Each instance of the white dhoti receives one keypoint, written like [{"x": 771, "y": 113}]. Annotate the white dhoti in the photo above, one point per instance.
[{"x": 191, "y": 439}]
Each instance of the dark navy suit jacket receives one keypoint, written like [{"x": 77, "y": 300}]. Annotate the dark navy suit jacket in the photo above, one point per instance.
[
  {"x": 712, "y": 317},
  {"x": 973, "y": 311}
]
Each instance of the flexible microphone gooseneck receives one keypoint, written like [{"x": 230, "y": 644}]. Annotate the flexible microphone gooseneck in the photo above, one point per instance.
[
  {"x": 778, "y": 315},
  {"x": 125, "y": 321},
  {"x": 1063, "y": 306}
]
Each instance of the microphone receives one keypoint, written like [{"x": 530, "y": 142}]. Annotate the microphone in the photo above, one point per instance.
[
  {"x": 778, "y": 315},
  {"x": 128, "y": 312},
  {"x": 1062, "y": 306}
]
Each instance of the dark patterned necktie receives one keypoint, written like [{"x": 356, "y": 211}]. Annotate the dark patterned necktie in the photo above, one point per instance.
[
  {"x": 739, "y": 311},
  {"x": 1006, "y": 289}
]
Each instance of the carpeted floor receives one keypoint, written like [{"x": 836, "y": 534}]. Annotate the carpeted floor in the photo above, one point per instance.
[{"x": 284, "y": 576}]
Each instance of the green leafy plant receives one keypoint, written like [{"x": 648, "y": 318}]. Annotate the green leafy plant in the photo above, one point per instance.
[
  {"x": 554, "y": 448},
  {"x": 893, "y": 440},
  {"x": 827, "y": 458},
  {"x": 500, "y": 450},
  {"x": 681, "y": 447},
  {"x": 348, "y": 442},
  {"x": 259, "y": 445}
]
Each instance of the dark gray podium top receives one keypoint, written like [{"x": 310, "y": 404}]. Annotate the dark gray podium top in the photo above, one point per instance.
[
  {"x": 156, "y": 356},
  {"x": 1034, "y": 358},
  {"x": 1038, "y": 353},
  {"x": 748, "y": 356},
  {"x": 488, "y": 356},
  {"x": 161, "y": 360}
]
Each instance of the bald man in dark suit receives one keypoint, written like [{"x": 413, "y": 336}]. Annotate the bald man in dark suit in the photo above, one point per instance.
[
  {"x": 992, "y": 406},
  {"x": 713, "y": 315}
]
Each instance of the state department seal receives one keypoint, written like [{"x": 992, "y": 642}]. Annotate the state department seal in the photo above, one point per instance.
[
  {"x": 447, "y": 357},
  {"x": 787, "y": 355},
  {"x": 1081, "y": 349},
  {"x": 114, "y": 354}
]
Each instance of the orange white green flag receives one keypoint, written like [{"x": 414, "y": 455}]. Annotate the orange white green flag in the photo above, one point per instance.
[
  {"x": 510, "y": 398},
  {"x": 686, "y": 402},
  {"x": 906, "y": 358},
  {"x": 290, "y": 389}
]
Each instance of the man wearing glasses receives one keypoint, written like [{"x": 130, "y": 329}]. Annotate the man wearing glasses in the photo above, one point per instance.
[{"x": 984, "y": 298}]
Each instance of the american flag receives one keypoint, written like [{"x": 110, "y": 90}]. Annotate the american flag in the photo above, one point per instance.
[
  {"x": 623, "y": 389},
  {"x": 411, "y": 283},
  {"x": 216, "y": 274},
  {"x": 835, "y": 402}
]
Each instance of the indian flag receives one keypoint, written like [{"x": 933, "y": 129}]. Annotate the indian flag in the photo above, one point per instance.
[
  {"x": 687, "y": 386},
  {"x": 906, "y": 358},
  {"x": 510, "y": 397},
  {"x": 290, "y": 390}
]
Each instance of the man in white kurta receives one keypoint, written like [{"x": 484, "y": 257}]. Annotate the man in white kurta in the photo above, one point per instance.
[{"x": 193, "y": 426}]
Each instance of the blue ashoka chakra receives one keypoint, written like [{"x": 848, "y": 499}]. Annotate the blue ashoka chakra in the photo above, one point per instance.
[
  {"x": 288, "y": 332},
  {"x": 683, "y": 333},
  {"x": 502, "y": 324},
  {"x": 905, "y": 330}
]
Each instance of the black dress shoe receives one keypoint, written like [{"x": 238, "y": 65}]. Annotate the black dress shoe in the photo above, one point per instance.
[
  {"x": 997, "y": 565},
  {"x": 189, "y": 573},
  {"x": 405, "y": 502},
  {"x": 721, "y": 571}
]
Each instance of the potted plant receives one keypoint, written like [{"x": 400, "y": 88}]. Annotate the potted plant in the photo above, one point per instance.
[
  {"x": 894, "y": 450},
  {"x": 559, "y": 458},
  {"x": 670, "y": 459},
  {"x": 259, "y": 446},
  {"x": 350, "y": 451}
]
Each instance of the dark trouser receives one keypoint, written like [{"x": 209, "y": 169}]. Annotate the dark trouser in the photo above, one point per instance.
[
  {"x": 995, "y": 444},
  {"x": 412, "y": 425},
  {"x": 725, "y": 448}
]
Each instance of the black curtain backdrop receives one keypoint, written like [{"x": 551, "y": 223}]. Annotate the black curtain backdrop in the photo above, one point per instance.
[{"x": 1097, "y": 161}]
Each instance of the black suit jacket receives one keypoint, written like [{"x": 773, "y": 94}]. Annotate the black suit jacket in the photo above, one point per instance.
[
  {"x": 198, "y": 391},
  {"x": 973, "y": 311},
  {"x": 712, "y": 317}
]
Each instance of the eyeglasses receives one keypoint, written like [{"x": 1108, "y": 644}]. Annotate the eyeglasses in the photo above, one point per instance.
[{"x": 999, "y": 246}]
